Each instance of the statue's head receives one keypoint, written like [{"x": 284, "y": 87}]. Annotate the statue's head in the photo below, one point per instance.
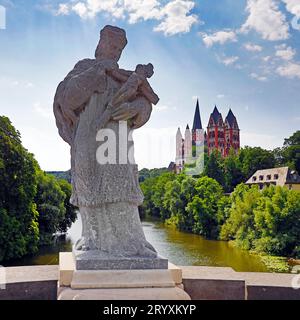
[
  {"x": 112, "y": 42},
  {"x": 145, "y": 70}
]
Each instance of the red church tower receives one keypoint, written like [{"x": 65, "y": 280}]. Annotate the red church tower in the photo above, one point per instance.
[
  {"x": 232, "y": 133},
  {"x": 216, "y": 133}
]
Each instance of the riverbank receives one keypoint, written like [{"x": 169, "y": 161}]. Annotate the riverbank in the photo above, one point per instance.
[{"x": 180, "y": 248}]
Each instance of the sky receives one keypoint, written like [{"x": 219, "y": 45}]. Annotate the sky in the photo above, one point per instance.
[{"x": 243, "y": 55}]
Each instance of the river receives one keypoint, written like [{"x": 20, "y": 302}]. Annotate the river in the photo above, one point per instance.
[{"x": 179, "y": 247}]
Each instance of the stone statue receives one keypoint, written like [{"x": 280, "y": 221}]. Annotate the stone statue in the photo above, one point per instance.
[{"x": 97, "y": 96}]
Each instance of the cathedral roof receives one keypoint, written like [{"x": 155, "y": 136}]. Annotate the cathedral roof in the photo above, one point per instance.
[
  {"x": 231, "y": 119},
  {"x": 216, "y": 114},
  {"x": 178, "y": 132},
  {"x": 197, "y": 119}
]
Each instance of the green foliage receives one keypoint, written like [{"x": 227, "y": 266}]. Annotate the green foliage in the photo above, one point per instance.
[
  {"x": 152, "y": 173},
  {"x": 291, "y": 151},
  {"x": 233, "y": 174},
  {"x": 18, "y": 216},
  {"x": 253, "y": 159},
  {"x": 204, "y": 207},
  {"x": 33, "y": 205},
  {"x": 214, "y": 167},
  {"x": 178, "y": 194},
  {"x": 56, "y": 214},
  {"x": 50, "y": 205},
  {"x": 267, "y": 221},
  {"x": 71, "y": 211},
  {"x": 65, "y": 175}
]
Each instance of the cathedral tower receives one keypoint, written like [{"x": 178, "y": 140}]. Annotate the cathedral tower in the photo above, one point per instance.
[
  {"x": 187, "y": 144},
  {"x": 232, "y": 133},
  {"x": 179, "y": 151},
  {"x": 197, "y": 131},
  {"x": 216, "y": 132}
]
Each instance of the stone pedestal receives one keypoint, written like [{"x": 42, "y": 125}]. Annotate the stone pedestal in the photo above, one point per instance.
[
  {"x": 92, "y": 260},
  {"x": 134, "y": 284}
]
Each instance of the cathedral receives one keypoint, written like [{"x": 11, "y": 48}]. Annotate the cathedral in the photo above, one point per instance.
[{"x": 221, "y": 135}]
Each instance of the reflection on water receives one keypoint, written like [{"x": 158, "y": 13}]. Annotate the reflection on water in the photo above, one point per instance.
[{"x": 179, "y": 247}]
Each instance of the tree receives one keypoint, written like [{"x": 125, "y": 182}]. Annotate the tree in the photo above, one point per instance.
[
  {"x": 265, "y": 221},
  {"x": 19, "y": 232},
  {"x": 159, "y": 189},
  {"x": 253, "y": 159},
  {"x": 240, "y": 224},
  {"x": 151, "y": 173},
  {"x": 71, "y": 211},
  {"x": 233, "y": 171},
  {"x": 214, "y": 167},
  {"x": 178, "y": 194},
  {"x": 204, "y": 207},
  {"x": 291, "y": 151},
  {"x": 50, "y": 200}
]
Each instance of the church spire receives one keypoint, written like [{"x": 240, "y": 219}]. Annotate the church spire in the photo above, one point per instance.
[{"x": 197, "y": 119}]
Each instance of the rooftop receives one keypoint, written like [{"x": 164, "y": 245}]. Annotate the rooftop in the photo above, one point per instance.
[{"x": 278, "y": 176}]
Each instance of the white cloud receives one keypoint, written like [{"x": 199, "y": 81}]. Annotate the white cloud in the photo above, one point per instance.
[
  {"x": 290, "y": 70},
  {"x": 252, "y": 47},
  {"x": 228, "y": 60},
  {"x": 177, "y": 18},
  {"x": 221, "y": 96},
  {"x": 63, "y": 9},
  {"x": 142, "y": 10},
  {"x": 174, "y": 16},
  {"x": 266, "y": 58},
  {"x": 258, "y": 77},
  {"x": 220, "y": 37},
  {"x": 293, "y": 6},
  {"x": 81, "y": 9},
  {"x": 266, "y": 19},
  {"x": 284, "y": 52}
]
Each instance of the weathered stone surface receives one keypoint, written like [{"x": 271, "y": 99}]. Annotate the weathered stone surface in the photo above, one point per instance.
[
  {"x": 100, "y": 279},
  {"x": 66, "y": 268},
  {"x": 210, "y": 283},
  {"x": 98, "y": 100},
  {"x": 95, "y": 260},
  {"x": 176, "y": 273},
  {"x": 124, "y": 294}
]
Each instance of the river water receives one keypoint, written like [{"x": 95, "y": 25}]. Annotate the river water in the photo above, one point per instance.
[{"x": 179, "y": 247}]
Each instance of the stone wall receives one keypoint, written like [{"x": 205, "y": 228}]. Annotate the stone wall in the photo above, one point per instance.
[{"x": 201, "y": 283}]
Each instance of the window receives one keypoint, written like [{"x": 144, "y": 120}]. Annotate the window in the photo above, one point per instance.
[
  {"x": 276, "y": 176},
  {"x": 254, "y": 178},
  {"x": 261, "y": 178},
  {"x": 268, "y": 177}
]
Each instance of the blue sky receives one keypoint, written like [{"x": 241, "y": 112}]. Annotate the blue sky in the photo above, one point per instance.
[{"x": 243, "y": 55}]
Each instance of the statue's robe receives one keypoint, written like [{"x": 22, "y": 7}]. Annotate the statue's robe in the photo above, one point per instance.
[{"x": 94, "y": 184}]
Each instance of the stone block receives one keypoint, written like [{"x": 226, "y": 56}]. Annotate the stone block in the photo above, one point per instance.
[
  {"x": 176, "y": 273},
  {"x": 92, "y": 260},
  {"x": 66, "y": 268},
  {"x": 92, "y": 279},
  {"x": 210, "y": 283},
  {"x": 124, "y": 294}
]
